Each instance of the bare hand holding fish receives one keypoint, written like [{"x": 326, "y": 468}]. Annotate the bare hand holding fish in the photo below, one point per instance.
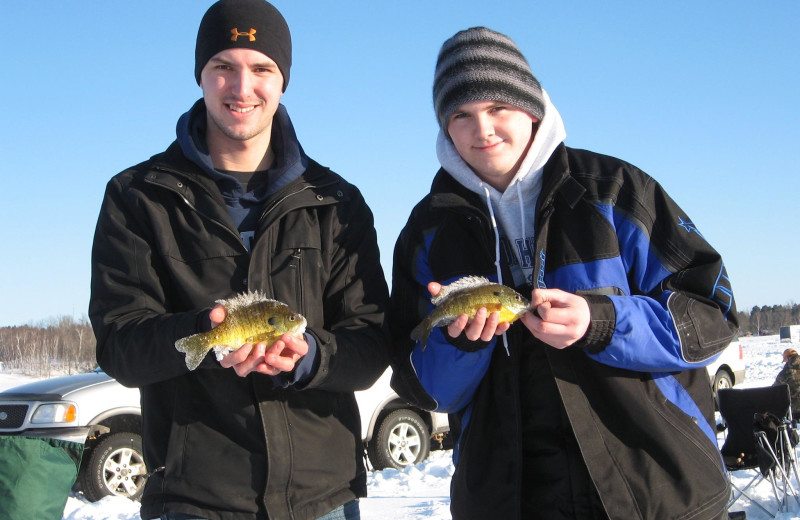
[
  {"x": 480, "y": 326},
  {"x": 271, "y": 360},
  {"x": 256, "y": 333},
  {"x": 474, "y": 305}
]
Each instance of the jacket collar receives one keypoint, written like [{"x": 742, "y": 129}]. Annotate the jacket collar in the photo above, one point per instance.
[
  {"x": 290, "y": 159},
  {"x": 173, "y": 170}
]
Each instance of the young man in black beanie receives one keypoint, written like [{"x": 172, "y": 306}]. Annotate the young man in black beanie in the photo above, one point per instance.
[
  {"x": 235, "y": 205},
  {"x": 595, "y": 404}
]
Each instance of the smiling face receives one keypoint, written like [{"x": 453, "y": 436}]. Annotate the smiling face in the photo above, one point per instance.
[
  {"x": 242, "y": 89},
  {"x": 493, "y": 138}
]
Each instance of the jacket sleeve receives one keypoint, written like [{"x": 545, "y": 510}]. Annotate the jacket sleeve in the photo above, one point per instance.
[
  {"x": 135, "y": 333},
  {"x": 679, "y": 312},
  {"x": 442, "y": 377}
]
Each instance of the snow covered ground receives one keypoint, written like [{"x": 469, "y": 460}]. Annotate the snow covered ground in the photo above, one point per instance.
[{"x": 423, "y": 491}]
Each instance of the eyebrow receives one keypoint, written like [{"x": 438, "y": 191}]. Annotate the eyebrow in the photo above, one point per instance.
[{"x": 268, "y": 63}]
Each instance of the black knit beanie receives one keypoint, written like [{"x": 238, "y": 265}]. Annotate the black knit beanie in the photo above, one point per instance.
[
  {"x": 480, "y": 64},
  {"x": 250, "y": 24}
]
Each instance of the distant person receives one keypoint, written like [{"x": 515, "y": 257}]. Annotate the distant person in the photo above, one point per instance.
[
  {"x": 790, "y": 375},
  {"x": 596, "y": 403},
  {"x": 235, "y": 205}
]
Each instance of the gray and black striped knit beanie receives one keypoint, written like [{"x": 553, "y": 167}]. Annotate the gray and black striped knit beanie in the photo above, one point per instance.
[{"x": 479, "y": 64}]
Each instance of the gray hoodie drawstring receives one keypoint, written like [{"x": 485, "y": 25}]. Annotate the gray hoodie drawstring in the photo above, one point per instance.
[
  {"x": 521, "y": 208},
  {"x": 496, "y": 249}
]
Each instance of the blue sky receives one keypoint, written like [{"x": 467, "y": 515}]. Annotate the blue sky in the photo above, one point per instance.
[{"x": 701, "y": 95}]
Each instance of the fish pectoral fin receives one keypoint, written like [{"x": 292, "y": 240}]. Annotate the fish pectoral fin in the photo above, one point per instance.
[{"x": 267, "y": 337}]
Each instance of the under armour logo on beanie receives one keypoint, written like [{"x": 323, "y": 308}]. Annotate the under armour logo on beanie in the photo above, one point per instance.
[
  {"x": 479, "y": 64},
  {"x": 251, "y": 34},
  {"x": 249, "y": 24}
]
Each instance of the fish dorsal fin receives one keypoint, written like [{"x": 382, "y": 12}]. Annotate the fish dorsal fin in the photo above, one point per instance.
[
  {"x": 244, "y": 299},
  {"x": 468, "y": 282}
]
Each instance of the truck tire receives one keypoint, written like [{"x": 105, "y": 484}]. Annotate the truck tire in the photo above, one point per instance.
[
  {"x": 402, "y": 438},
  {"x": 115, "y": 467},
  {"x": 722, "y": 379}
]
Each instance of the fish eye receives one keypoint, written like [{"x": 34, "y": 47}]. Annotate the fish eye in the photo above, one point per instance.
[{"x": 292, "y": 317}]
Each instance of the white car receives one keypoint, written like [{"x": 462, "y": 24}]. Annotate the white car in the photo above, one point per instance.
[
  {"x": 728, "y": 369},
  {"x": 395, "y": 433},
  {"x": 94, "y": 409}
]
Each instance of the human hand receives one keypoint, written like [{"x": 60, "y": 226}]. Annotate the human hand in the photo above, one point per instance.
[
  {"x": 217, "y": 315},
  {"x": 558, "y": 318},
  {"x": 271, "y": 360},
  {"x": 481, "y": 327}
]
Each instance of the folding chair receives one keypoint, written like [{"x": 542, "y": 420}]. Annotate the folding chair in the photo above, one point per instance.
[
  {"x": 748, "y": 447},
  {"x": 776, "y": 440}
]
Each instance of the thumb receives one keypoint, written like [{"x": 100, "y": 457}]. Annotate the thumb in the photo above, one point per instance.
[
  {"x": 217, "y": 315},
  {"x": 540, "y": 296}
]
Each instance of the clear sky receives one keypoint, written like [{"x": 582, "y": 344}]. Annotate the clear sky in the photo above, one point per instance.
[{"x": 701, "y": 95}]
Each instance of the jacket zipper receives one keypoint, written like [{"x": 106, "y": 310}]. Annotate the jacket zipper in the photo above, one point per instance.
[
  {"x": 278, "y": 202},
  {"x": 539, "y": 255},
  {"x": 299, "y": 278}
]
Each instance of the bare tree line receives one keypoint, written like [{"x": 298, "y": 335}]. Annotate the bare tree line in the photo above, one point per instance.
[
  {"x": 768, "y": 319},
  {"x": 60, "y": 346}
]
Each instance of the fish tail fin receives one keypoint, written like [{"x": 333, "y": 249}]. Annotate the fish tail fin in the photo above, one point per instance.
[
  {"x": 421, "y": 332},
  {"x": 195, "y": 347}
]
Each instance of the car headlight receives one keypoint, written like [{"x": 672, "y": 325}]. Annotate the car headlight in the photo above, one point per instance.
[{"x": 54, "y": 413}]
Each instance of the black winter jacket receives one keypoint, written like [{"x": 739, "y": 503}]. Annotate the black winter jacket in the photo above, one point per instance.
[
  {"x": 221, "y": 446},
  {"x": 632, "y": 395}
]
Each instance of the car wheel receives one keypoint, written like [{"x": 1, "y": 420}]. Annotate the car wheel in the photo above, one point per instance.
[
  {"x": 722, "y": 379},
  {"x": 402, "y": 438},
  {"x": 115, "y": 467}
]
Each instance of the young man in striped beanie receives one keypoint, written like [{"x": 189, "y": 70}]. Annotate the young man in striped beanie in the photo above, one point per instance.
[{"x": 595, "y": 404}]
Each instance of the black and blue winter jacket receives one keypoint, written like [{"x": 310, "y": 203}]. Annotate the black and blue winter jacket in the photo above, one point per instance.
[{"x": 632, "y": 399}]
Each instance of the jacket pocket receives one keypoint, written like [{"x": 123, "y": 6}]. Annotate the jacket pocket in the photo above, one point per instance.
[{"x": 298, "y": 271}]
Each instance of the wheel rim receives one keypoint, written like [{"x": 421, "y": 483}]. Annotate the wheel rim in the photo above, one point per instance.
[
  {"x": 124, "y": 472},
  {"x": 405, "y": 444},
  {"x": 723, "y": 383}
]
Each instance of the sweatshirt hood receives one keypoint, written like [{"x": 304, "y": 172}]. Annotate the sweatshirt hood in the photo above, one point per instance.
[
  {"x": 549, "y": 135},
  {"x": 513, "y": 211},
  {"x": 290, "y": 159}
]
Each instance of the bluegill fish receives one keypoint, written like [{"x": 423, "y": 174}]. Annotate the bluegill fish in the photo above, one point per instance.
[
  {"x": 249, "y": 318},
  {"x": 466, "y": 296}
]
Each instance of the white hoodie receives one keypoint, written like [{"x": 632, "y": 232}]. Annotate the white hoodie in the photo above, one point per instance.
[{"x": 513, "y": 211}]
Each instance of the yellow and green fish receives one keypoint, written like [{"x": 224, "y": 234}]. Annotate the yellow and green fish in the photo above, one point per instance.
[
  {"x": 249, "y": 318},
  {"x": 466, "y": 296}
]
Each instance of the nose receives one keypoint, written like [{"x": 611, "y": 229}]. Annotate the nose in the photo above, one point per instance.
[
  {"x": 241, "y": 84},
  {"x": 484, "y": 126}
]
